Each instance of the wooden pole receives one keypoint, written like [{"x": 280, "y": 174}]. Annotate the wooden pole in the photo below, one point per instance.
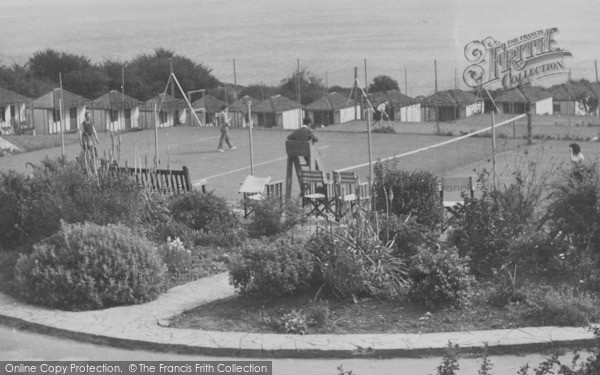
[
  {"x": 405, "y": 82},
  {"x": 455, "y": 78},
  {"x": 170, "y": 75},
  {"x": 62, "y": 115},
  {"x": 437, "y": 101},
  {"x": 370, "y": 180},
  {"x": 493, "y": 152},
  {"x": 596, "y": 64},
  {"x": 366, "y": 81},
  {"x": 123, "y": 94},
  {"x": 299, "y": 94},
  {"x": 235, "y": 117},
  {"x": 32, "y": 122},
  {"x": 355, "y": 93},
  {"x": 155, "y": 135},
  {"x": 249, "y": 103}
]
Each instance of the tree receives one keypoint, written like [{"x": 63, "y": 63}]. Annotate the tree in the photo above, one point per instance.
[
  {"x": 587, "y": 103},
  {"x": 258, "y": 92},
  {"x": 19, "y": 79},
  {"x": 383, "y": 83},
  {"x": 311, "y": 87},
  {"x": 150, "y": 73},
  {"x": 49, "y": 63}
]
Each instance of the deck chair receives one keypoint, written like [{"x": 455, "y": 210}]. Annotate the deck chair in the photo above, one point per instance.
[
  {"x": 452, "y": 191},
  {"x": 317, "y": 190},
  {"x": 252, "y": 189},
  {"x": 345, "y": 187}
]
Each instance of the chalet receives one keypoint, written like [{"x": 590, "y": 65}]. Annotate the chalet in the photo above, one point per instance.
[
  {"x": 239, "y": 111},
  {"x": 114, "y": 111},
  {"x": 399, "y": 106},
  {"x": 13, "y": 115},
  {"x": 172, "y": 112},
  {"x": 451, "y": 105},
  {"x": 524, "y": 99},
  {"x": 333, "y": 108},
  {"x": 278, "y": 111},
  {"x": 206, "y": 108},
  {"x": 47, "y": 111},
  {"x": 574, "y": 97}
]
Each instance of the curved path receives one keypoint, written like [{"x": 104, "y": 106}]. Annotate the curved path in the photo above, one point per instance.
[{"x": 146, "y": 327}]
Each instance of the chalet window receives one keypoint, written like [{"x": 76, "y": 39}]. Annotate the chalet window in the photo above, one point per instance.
[
  {"x": 114, "y": 115},
  {"x": 2, "y": 110},
  {"x": 556, "y": 108},
  {"x": 13, "y": 111},
  {"x": 55, "y": 115}
]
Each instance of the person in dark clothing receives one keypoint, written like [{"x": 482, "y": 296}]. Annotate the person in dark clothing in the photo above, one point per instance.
[
  {"x": 88, "y": 135},
  {"x": 304, "y": 133}
]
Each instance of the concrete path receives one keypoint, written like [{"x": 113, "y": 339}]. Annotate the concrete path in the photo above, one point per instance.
[{"x": 146, "y": 327}]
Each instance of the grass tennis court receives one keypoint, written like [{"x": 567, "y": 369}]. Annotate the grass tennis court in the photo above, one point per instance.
[{"x": 196, "y": 148}]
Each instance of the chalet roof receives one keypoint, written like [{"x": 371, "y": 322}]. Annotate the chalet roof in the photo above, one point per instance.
[
  {"x": 394, "y": 96},
  {"x": 523, "y": 94},
  {"x": 241, "y": 105},
  {"x": 276, "y": 104},
  {"x": 51, "y": 100},
  {"x": 11, "y": 97},
  {"x": 571, "y": 90},
  {"x": 115, "y": 99},
  {"x": 209, "y": 103},
  {"x": 451, "y": 98},
  {"x": 168, "y": 103},
  {"x": 331, "y": 101}
]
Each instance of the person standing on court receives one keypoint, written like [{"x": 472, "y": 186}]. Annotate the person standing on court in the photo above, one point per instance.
[
  {"x": 88, "y": 135},
  {"x": 576, "y": 155},
  {"x": 223, "y": 122},
  {"x": 303, "y": 133}
]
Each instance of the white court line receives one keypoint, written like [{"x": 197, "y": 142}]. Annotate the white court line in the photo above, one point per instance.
[
  {"x": 244, "y": 168},
  {"x": 171, "y": 145}
]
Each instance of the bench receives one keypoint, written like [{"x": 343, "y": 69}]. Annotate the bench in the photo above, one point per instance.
[{"x": 165, "y": 180}]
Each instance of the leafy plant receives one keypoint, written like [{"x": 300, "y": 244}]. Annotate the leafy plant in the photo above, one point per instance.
[
  {"x": 272, "y": 216},
  {"x": 294, "y": 322}
]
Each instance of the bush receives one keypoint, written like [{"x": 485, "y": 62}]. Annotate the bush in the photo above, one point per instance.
[
  {"x": 60, "y": 190},
  {"x": 176, "y": 257},
  {"x": 209, "y": 214},
  {"x": 273, "y": 216},
  {"x": 408, "y": 235},
  {"x": 352, "y": 262},
  {"x": 563, "y": 307},
  {"x": 272, "y": 268},
  {"x": 439, "y": 278},
  {"x": 86, "y": 266},
  {"x": 407, "y": 193},
  {"x": 294, "y": 322}
]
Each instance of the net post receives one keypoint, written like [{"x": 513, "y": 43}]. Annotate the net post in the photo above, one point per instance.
[{"x": 529, "y": 135}]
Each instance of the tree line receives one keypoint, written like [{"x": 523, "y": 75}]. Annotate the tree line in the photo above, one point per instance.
[{"x": 146, "y": 75}]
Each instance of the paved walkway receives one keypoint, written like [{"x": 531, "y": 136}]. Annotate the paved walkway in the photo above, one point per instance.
[{"x": 146, "y": 327}]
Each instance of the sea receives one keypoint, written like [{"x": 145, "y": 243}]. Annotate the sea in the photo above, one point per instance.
[{"x": 266, "y": 40}]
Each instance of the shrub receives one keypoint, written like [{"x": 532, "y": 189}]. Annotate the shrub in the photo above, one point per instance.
[
  {"x": 273, "y": 216},
  {"x": 407, "y": 193},
  {"x": 318, "y": 314},
  {"x": 273, "y": 268},
  {"x": 406, "y": 233},
  {"x": 563, "y": 307},
  {"x": 439, "y": 278},
  {"x": 86, "y": 266},
  {"x": 351, "y": 261},
  {"x": 294, "y": 322},
  {"x": 209, "y": 214},
  {"x": 176, "y": 257}
]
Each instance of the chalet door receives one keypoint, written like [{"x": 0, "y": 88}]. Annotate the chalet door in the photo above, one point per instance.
[
  {"x": 127, "y": 118},
  {"x": 72, "y": 118}
]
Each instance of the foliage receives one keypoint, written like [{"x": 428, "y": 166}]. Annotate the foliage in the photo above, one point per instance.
[
  {"x": 273, "y": 216},
  {"x": 176, "y": 257},
  {"x": 258, "y": 92},
  {"x": 449, "y": 364},
  {"x": 563, "y": 307},
  {"x": 86, "y": 266},
  {"x": 294, "y": 322},
  {"x": 407, "y": 193},
  {"x": 318, "y": 314},
  {"x": 351, "y": 261},
  {"x": 209, "y": 214},
  {"x": 60, "y": 190},
  {"x": 274, "y": 268},
  {"x": 439, "y": 278},
  {"x": 383, "y": 83},
  {"x": 575, "y": 210},
  {"x": 311, "y": 86},
  {"x": 406, "y": 233}
]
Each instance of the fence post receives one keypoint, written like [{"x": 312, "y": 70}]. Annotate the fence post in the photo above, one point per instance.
[{"x": 529, "y": 136}]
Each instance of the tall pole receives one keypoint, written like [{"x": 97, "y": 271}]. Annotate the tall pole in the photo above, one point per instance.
[
  {"x": 437, "y": 101},
  {"x": 355, "y": 93},
  {"x": 370, "y": 180},
  {"x": 366, "y": 81},
  {"x": 596, "y": 64},
  {"x": 235, "y": 117},
  {"x": 123, "y": 93},
  {"x": 455, "y": 79},
  {"x": 62, "y": 116},
  {"x": 170, "y": 75},
  {"x": 249, "y": 103},
  {"x": 155, "y": 135},
  {"x": 405, "y": 82},
  {"x": 298, "y": 91},
  {"x": 493, "y": 152}
]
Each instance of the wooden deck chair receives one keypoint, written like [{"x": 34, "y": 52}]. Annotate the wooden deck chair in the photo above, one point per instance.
[
  {"x": 317, "y": 190},
  {"x": 345, "y": 186},
  {"x": 252, "y": 189},
  {"x": 452, "y": 191}
]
